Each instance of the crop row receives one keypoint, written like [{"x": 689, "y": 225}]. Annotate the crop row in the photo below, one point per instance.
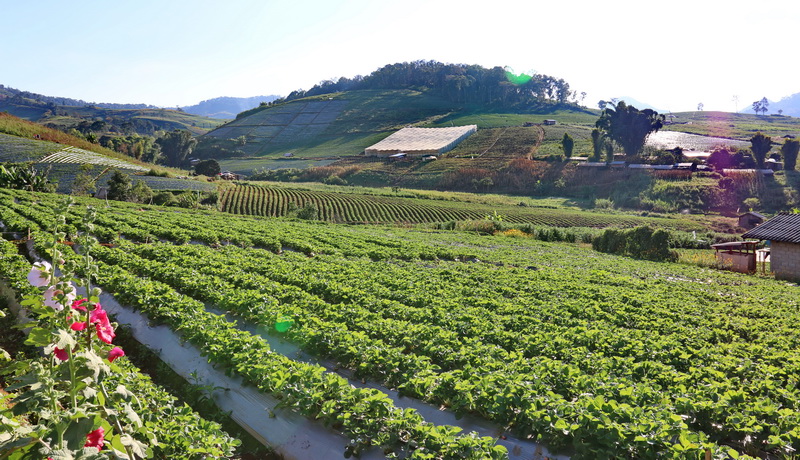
[
  {"x": 182, "y": 432},
  {"x": 80, "y": 156},
  {"x": 353, "y": 208},
  {"x": 368, "y": 416},
  {"x": 554, "y": 342},
  {"x": 582, "y": 354}
]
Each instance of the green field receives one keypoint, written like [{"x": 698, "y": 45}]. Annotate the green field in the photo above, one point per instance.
[
  {"x": 595, "y": 356},
  {"x": 338, "y": 204}
]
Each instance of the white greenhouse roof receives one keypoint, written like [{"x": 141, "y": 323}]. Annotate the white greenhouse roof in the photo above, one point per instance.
[{"x": 426, "y": 140}]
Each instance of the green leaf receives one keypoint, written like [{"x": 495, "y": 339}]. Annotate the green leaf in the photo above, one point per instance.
[
  {"x": 39, "y": 337},
  {"x": 138, "y": 448}
]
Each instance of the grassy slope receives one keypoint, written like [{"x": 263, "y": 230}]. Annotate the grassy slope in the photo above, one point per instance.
[
  {"x": 368, "y": 117},
  {"x": 163, "y": 118}
]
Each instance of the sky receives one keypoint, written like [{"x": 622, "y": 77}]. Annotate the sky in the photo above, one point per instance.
[{"x": 672, "y": 55}]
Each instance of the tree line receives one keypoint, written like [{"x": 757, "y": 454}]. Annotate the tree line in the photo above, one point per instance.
[{"x": 459, "y": 83}]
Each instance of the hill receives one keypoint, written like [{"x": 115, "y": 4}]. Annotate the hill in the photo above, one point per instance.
[
  {"x": 65, "y": 113},
  {"x": 62, "y": 155},
  {"x": 332, "y": 126},
  {"x": 227, "y": 107}
]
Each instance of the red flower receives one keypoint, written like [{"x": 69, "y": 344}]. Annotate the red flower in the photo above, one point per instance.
[
  {"x": 78, "y": 304},
  {"x": 95, "y": 438},
  {"x": 105, "y": 331},
  {"x": 78, "y": 326},
  {"x": 61, "y": 354},
  {"x": 115, "y": 353}
]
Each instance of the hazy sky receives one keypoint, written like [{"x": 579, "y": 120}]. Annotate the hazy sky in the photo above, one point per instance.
[{"x": 670, "y": 54}]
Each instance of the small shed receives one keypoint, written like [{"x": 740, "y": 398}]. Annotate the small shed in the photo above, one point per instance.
[
  {"x": 550, "y": 122},
  {"x": 749, "y": 220},
  {"x": 783, "y": 234},
  {"x": 737, "y": 256},
  {"x": 102, "y": 192}
]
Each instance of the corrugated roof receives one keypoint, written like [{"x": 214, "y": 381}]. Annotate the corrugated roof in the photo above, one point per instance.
[{"x": 784, "y": 228}]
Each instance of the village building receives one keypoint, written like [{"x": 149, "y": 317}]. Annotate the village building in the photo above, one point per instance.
[
  {"x": 420, "y": 142},
  {"x": 783, "y": 234},
  {"x": 750, "y": 220}
]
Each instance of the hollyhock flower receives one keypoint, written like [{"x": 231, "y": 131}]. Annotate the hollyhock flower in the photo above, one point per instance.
[
  {"x": 115, "y": 353},
  {"x": 95, "y": 438},
  {"x": 79, "y": 304},
  {"x": 99, "y": 317},
  {"x": 39, "y": 274},
  {"x": 78, "y": 326},
  {"x": 51, "y": 301},
  {"x": 61, "y": 354}
]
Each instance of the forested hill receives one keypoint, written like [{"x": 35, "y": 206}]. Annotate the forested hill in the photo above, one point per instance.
[
  {"x": 6, "y": 92},
  {"x": 460, "y": 83}
]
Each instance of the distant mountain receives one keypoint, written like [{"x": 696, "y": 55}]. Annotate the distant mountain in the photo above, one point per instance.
[
  {"x": 227, "y": 107},
  {"x": 640, "y": 105},
  {"x": 789, "y": 105}
]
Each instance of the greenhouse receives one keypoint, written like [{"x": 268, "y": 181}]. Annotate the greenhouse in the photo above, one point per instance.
[{"x": 421, "y": 141}]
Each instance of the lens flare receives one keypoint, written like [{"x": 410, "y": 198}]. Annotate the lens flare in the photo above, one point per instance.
[{"x": 517, "y": 79}]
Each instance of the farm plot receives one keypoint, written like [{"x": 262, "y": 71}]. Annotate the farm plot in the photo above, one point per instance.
[
  {"x": 15, "y": 149},
  {"x": 74, "y": 155},
  {"x": 353, "y": 208},
  {"x": 602, "y": 356}
]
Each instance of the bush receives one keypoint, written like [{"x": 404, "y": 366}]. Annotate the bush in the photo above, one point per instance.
[
  {"x": 165, "y": 199},
  {"x": 208, "y": 168},
  {"x": 641, "y": 242}
]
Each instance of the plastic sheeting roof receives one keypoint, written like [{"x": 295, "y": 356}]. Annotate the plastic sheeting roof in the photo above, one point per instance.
[{"x": 423, "y": 139}]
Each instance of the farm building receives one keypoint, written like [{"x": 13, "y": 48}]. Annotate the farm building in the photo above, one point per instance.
[
  {"x": 736, "y": 256},
  {"x": 750, "y": 219},
  {"x": 421, "y": 142},
  {"x": 783, "y": 233}
]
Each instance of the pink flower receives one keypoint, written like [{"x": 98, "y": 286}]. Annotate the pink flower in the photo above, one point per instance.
[
  {"x": 51, "y": 300},
  {"x": 78, "y": 304},
  {"x": 78, "y": 326},
  {"x": 115, "y": 353},
  {"x": 99, "y": 317},
  {"x": 61, "y": 354},
  {"x": 39, "y": 274},
  {"x": 95, "y": 438}
]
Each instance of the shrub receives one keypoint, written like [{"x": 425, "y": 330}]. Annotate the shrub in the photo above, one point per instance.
[{"x": 641, "y": 242}]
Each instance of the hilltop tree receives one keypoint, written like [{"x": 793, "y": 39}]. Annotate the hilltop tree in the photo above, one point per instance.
[
  {"x": 789, "y": 150},
  {"x": 568, "y": 144},
  {"x": 629, "y": 126},
  {"x": 761, "y": 106},
  {"x": 700, "y": 107},
  {"x": 176, "y": 146},
  {"x": 760, "y": 145}
]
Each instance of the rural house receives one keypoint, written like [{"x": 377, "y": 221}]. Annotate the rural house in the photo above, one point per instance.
[
  {"x": 783, "y": 233},
  {"x": 750, "y": 219}
]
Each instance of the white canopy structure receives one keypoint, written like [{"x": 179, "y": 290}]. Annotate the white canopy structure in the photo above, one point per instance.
[{"x": 421, "y": 141}]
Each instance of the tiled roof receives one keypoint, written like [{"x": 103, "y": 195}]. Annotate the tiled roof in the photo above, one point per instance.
[{"x": 784, "y": 228}]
